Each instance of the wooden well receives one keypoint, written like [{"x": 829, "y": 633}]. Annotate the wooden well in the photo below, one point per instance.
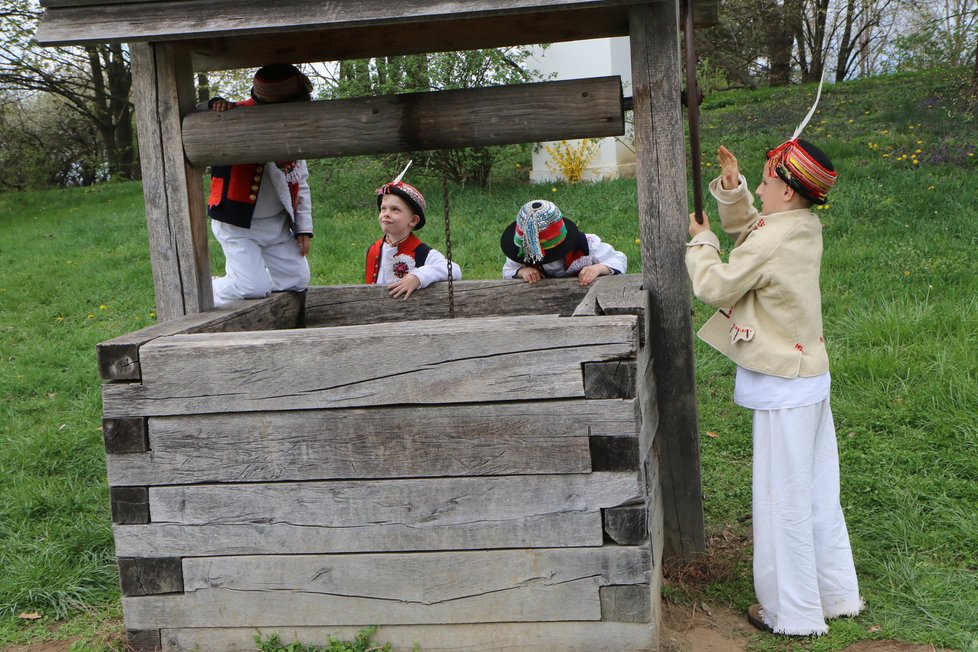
[{"x": 312, "y": 464}]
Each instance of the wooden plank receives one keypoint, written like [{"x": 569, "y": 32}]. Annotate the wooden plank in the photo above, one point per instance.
[
  {"x": 505, "y": 637},
  {"x": 494, "y": 439},
  {"x": 118, "y": 358},
  {"x": 426, "y": 362},
  {"x": 180, "y": 20},
  {"x": 125, "y": 436},
  {"x": 626, "y": 525},
  {"x": 663, "y": 227},
  {"x": 408, "y": 588},
  {"x": 610, "y": 379},
  {"x": 150, "y": 576},
  {"x": 631, "y": 603},
  {"x": 130, "y": 505},
  {"x": 433, "y": 503},
  {"x": 498, "y": 115},
  {"x": 563, "y": 529},
  {"x": 346, "y": 305}
]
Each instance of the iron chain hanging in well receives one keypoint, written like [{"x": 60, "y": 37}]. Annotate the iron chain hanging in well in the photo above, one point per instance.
[{"x": 448, "y": 244}]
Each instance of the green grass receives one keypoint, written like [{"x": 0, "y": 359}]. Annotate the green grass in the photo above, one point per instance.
[{"x": 901, "y": 318}]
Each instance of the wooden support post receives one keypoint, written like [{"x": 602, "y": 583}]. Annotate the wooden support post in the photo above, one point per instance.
[
  {"x": 172, "y": 187},
  {"x": 663, "y": 222}
]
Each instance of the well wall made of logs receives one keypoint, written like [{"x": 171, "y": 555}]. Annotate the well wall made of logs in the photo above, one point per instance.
[{"x": 313, "y": 464}]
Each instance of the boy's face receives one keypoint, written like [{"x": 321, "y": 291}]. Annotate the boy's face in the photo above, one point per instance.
[
  {"x": 396, "y": 217},
  {"x": 773, "y": 192}
]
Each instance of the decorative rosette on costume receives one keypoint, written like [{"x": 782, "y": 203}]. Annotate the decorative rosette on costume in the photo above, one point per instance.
[{"x": 398, "y": 265}]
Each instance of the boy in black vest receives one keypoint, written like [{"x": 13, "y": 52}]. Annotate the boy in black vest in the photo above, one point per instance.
[{"x": 399, "y": 259}]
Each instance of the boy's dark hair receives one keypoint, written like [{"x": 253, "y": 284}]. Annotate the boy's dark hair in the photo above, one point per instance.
[{"x": 280, "y": 82}]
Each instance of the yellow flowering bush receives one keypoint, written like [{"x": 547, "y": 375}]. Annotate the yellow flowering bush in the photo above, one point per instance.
[{"x": 569, "y": 160}]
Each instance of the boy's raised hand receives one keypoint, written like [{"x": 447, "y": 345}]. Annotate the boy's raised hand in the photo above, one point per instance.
[{"x": 729, "y": 170}]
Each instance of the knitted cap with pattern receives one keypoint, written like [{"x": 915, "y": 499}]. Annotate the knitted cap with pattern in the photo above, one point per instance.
[
  {"x": 280, "y": 82},
  {"x": 805, "y": 168}
]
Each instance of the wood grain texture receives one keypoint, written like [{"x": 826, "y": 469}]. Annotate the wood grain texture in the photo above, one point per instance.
[
  {"x": 565, "y": 529},
  {"x": 130, "y": 505},
  {"x": 610, "y": 379},
  {"x": 150, "y": 576},
  {"x": 143, "y": 640},
  {"x": 494, "y": 439},
  {"x": 433, "y": 503},
  {"x": 631, "y": 603},
  {"x": 504, "y": 637},
  {"x": 119, "y": 357},
  {"x": 408, "y": 588},
  {"x": 127, "y": 435},
  {"x": 347, "y": 305},
  {"x": 185, "y": 19},
  {"x": 497, "y": 115},
  {"x": 626, "y": 525},
  {"x": 663, "y": 227},
  {"x": 453, "y": 361}
]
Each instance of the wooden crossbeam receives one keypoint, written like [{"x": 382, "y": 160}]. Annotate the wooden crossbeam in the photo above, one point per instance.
[{"x": 498, "y": 115}]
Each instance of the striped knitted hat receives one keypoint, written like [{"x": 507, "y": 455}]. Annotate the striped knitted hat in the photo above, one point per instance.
[
  {"x": 280, "y": 82},
  {"x": 411, "y": 195},
  {"x": 805, "y": 168},
  {"x": 539, "y": 227}
]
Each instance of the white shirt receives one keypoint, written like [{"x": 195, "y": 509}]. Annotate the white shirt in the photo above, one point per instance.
[
  {"x": 757, "y": 391},
  {"x": 598, "y": 252},
  {"x": 435, "y": 267}
]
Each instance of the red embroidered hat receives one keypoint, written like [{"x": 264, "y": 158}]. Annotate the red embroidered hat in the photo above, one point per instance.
[
  {"x": 280, "y": 82},
  {"x": 805, "y": 168},
  {"x": 411, "y": 195}
]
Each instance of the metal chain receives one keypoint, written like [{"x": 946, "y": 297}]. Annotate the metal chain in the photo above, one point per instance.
[{"x": 448, "y": 244}]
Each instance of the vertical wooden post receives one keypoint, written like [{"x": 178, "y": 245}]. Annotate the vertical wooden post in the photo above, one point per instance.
[
  {"x": 173, "y": 191},
  {"x": 663, "y": 218}
]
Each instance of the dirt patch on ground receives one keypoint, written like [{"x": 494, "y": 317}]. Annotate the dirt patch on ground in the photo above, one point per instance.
[{"x": 702, "y": 628}]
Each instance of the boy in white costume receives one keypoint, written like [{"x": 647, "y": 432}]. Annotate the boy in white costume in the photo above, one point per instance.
[
  {"x": 542, "y": 243},
  {"x": 769, "y": 322},
  {"x": 261, "y": 213},
  {"x": 399, "y": 259}
]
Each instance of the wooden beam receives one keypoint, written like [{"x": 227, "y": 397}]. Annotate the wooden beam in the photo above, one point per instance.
[
  {"x": 662, "y": 226},
  {"x": 173, "y": 189},
  {"x": 497, "y": 115},
  {"x": 348, "y": 305}
]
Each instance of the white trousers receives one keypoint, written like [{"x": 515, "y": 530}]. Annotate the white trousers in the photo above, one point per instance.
[
  {"x": 803, "y": 568},
  {"x": 259, "y": 260}
]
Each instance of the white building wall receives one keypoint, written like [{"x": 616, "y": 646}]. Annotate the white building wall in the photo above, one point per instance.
[{"x": 576, "y": 60}]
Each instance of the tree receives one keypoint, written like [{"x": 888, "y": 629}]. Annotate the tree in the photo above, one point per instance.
[
  {"x": 434, "y": 72},
  {"x": 93, "y": 82}
]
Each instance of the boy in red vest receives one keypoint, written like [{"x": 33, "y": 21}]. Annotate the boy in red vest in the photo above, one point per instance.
[
  {"x": 261, "y": 212},
  {"x": 541, "y": 242},
  {"x": 399, "y": 259}
]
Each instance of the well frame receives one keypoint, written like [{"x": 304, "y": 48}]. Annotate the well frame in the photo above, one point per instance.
[{"x": 171, "y": 39}]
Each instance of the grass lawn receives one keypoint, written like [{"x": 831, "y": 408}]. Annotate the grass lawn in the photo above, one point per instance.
[{"x": 900, "y": 295}]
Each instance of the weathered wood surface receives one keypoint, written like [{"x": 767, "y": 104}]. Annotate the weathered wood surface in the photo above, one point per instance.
[
  {"x": 433, "y": 503},
  {"x": 611, "y": 379},
  {"x": 125, "y": 436},
  {"x": 504, "y": 637},
  {"x": 347, "y": 305},
  {"x": 631, "y": 603},
  {"x": 493, "y": 439},
  {"x": 130, "y": 505},
  {"x": 497, "y": 115},
  {"x": 143, "y": 640},
  {"x": 408, "y": 588},
  {"x": 427, "y": 362},
  {"x": 564, "y": 529},
  {"x": 626, "y": 525},
  {"x": 150, "y": 576},
  {"x": 663, "y": 225},
  {"x": 190, "y": 19},
  {"x": 118, "y": 358},
  {"x": 173, "y": 191}
]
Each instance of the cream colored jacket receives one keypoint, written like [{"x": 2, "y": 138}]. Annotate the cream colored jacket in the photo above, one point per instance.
[{"x": 770, "y": 306}]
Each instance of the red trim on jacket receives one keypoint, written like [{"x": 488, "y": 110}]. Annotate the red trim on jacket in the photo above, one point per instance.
[{"x": 409, "y": 246}]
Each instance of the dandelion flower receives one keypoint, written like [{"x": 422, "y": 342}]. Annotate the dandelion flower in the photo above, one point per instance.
[
  {"x": 102, "y": 307},
  {"x": 554, "y": 189},
  {"x": 638, "y": 240},
  {"x": 91, "y": 316}
]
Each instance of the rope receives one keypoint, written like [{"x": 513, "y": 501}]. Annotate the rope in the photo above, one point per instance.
[
  {"x": 693, "y": 110},
  {"x": 448, "y": 245}
]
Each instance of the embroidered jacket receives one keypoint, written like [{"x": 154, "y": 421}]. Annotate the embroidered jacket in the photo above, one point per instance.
[
  {"x": 590, "y": 251},
  {"x": 386, "y": 264},
  {"x": 234, "y": 190},
  {"x": 770, "y": 317}
]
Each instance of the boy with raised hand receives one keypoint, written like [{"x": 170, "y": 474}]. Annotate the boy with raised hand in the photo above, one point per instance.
[{"x": 769, "y": 323}]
